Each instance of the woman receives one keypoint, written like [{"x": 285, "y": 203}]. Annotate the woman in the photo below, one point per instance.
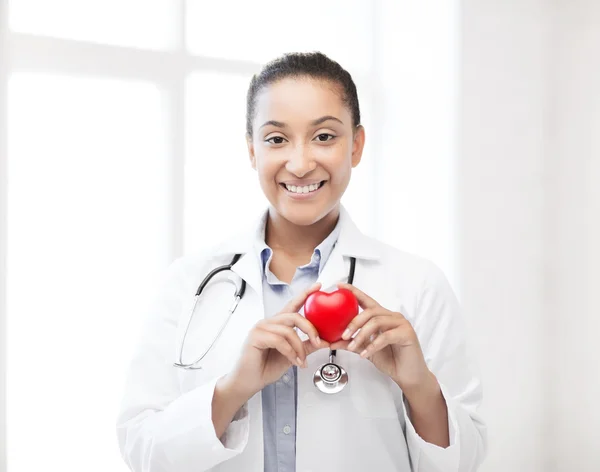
[{"x": 412, "y": 398}]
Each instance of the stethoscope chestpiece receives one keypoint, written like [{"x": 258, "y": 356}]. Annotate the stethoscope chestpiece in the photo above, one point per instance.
[{"x": 330, "y": 378}]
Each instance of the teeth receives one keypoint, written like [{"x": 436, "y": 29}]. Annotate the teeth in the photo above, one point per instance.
[{"x": 305, "y": 189}]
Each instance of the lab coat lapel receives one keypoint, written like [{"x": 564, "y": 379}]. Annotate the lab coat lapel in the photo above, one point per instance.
[
  {"x": 248, "y": 267},
  {"x": 336, "y": 270},
  {"x": 351, "y": 243}
]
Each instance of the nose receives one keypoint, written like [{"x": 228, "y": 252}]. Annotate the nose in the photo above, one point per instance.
[{"x": 300, "y": 162}]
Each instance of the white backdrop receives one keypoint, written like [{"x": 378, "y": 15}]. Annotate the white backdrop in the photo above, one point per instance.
[
  {"x": 528, "y": 168},
  {"x": 572, "y": 224},
  {"x": 482, "y": 154},
  {"x": 125, "y": 118}
]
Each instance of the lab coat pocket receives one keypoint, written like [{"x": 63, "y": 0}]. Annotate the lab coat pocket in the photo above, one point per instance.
[{"x": 369, "y": 389}]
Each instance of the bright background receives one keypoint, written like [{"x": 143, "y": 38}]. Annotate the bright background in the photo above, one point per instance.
[{"x": 122, "y": 120}]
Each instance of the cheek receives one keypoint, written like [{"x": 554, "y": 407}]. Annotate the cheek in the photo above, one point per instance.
[
  {"x": 266, "y": 168},
  {"x": 338, "y": 163}
]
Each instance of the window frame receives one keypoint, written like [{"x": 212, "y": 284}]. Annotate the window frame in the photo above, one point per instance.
[{"x": 169, "y": 69}]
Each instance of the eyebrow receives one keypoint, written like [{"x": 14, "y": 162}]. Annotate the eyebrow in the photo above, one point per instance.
[{"x": 316, "y": 122}]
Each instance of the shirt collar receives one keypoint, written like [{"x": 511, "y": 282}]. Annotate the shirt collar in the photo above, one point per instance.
[
  {"x": 319, "y": 257},
  {"x": 351, "y": 241}
]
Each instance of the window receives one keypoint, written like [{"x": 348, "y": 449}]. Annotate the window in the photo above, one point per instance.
[
  {"x": 85, "y": 214},
  {"x": 117, "y": 154}
]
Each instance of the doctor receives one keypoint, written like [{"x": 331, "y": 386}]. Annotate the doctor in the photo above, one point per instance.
[{"x": 411, "y": 403}]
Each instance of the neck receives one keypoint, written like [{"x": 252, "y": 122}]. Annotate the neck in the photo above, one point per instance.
[{"x": 294, "y": 239}]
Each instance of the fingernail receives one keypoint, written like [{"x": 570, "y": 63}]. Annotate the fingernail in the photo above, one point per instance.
[
  {"x": 352, "y": 345},
  {"x": 346, "y": 334},
  {"x": 364, "y": 353},
  {"x": 318, "y": 340}
]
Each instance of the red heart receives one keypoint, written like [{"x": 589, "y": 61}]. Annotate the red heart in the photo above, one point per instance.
[{"x": 330, "y": 313}]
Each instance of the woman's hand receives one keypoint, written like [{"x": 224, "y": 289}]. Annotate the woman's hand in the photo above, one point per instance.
[
  {"x": 273, "y": 345},
  {"x": 388, "y": 340}
]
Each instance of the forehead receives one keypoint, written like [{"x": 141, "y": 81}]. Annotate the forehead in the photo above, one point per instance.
[{"x": 297, "y": 100}]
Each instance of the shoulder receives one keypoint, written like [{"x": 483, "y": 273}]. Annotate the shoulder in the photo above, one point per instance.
[
  {"x": 194, "y": 266},
  {"x": 397, "y": 263},
  {"x": 412, "y": 283},
  {"x": 199, "y": 262}
]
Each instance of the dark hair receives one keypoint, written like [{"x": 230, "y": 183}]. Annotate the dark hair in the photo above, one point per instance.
[{"x": 312, "y": 65}]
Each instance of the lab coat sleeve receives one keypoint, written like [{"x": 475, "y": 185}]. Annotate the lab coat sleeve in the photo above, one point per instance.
[
  {"x": 442, "y": 334},
  {"x": 159, "y": 428}
]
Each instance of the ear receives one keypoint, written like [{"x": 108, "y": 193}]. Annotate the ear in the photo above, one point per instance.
[
  {"x": 250, "y": 145},
  {"x": 358, "y": 145}
]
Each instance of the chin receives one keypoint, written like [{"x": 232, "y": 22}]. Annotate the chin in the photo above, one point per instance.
[{"x": 304, "y": 215}]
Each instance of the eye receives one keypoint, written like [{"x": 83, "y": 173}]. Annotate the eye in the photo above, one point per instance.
[
  {"x": 324, "y": 137},
  {"x": 275, "y": 140}
]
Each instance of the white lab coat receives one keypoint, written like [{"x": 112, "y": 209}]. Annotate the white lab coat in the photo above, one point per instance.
[{"x": 165, "y": 424}]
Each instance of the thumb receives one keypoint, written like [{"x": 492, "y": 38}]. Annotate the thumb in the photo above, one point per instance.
[{"x": 296, "y": 303}]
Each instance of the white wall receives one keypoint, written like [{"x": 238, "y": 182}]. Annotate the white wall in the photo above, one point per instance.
[
  {"x": 3, "y": 232},
  {"x": 529, "y": 226},
  {"x": 415, "y": 139},
  {"x": 572, "y": 217},
  {"x": 504, "y": 96}
]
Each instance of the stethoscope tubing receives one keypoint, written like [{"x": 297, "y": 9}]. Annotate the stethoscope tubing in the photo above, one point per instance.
[{"x": 339, "y": 377}]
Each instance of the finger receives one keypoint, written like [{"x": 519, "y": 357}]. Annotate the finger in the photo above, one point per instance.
[
  {"x": 297, "y": 320},
  {"x": 268, "y": 340},
  {"x": 310, "y": 347},
  {"x": 370, "y": 330},
  {"x": 391, "y": 336},
  {"x": 344, "y": 345},
  {"x": 296, "y": 303},
  {"x": 359, "y": 321},
  {"x": 291, "y": 336},
  {"x": 341, "y": 345},
  {"x": 363, "y": 299}
]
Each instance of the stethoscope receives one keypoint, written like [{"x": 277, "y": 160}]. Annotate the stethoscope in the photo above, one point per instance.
[{"x": 329, "y": 378}]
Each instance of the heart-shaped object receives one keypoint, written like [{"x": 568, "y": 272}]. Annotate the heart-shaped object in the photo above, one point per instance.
[{"x": 331, "y": 312}]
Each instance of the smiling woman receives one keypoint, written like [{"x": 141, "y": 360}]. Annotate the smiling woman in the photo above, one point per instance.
[{"x": 252, "y": 405}]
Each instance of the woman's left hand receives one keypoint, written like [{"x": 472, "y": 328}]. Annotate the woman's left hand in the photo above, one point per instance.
[{"x": 388, "y": 340}]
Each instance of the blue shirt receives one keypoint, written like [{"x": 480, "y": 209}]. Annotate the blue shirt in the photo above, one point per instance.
[{"x": 279, "y": 399}]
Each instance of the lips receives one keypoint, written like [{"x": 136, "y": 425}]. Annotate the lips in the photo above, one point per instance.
[
  {"x": 303, "y": 189},
  {"x": 303, "y": 192}
]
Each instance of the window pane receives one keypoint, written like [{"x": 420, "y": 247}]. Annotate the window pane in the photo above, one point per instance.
[
  {"x": 135, "y": 23},
  {"x": 261, "y": 30},
  {"x": 221, "y": 188},
  {"x": 86, "y": 245}
]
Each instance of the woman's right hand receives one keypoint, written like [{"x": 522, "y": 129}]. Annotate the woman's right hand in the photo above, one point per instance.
[{"x": 273, "y": 346}]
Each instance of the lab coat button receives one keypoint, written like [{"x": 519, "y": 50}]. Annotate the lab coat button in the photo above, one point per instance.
[
  {"x": 286, "y": 378},
  {"x": 287, "y": 429}
]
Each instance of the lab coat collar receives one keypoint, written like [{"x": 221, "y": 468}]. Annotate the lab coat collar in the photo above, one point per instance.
[{"x": 351, "y": 243}]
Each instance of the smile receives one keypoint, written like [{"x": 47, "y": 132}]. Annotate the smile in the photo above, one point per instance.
[
  {"x": 303, "y": 192},
  {"x": 303, "y": 189}
]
